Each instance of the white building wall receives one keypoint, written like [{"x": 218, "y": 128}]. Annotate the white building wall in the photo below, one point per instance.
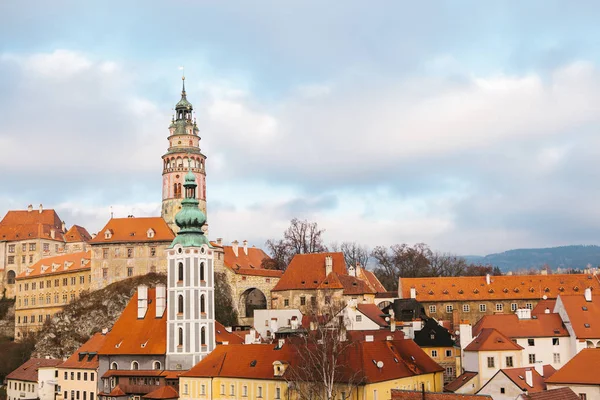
[
  {"x": 47, "y": 382},
  {"x": 486, "y": 373},
  {"x": 264, "y": 319},
  {"x": 496, "y": 384},
  {"x": 470, "y": 361},
  {"x": 591, "y": 392},
  {"x": 355, "y": 320},
  {"x": 544, "y": 351},
  {"x": 21, "y": 390}
]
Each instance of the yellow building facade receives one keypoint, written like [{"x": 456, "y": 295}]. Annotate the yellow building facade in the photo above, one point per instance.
[{"x": 46, "y": 287}]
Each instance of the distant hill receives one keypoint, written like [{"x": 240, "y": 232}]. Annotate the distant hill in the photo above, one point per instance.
[{"x": 577, "y": 256}]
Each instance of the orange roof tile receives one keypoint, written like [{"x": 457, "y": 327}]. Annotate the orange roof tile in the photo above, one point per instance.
[
  {"x": 581, "y": 369},
  {"x": 353, "y": 285},
  {"x": 130, "y": 335},
  {"x": 23, "y": 225},
  {"x": 545, "y": 325},
  {"x": 247, "y": 264},
  {"x": 64, "y": 263},
  {"x": 501, "y": 287},
  {"x": 28, "y": 371},
  {"x": 584, "y": 316},
  {"x": 460, "y": 381},
  {"x": 77, "y": 234},
  {"x": 489, "y": 339},
  {"x": 373, "y": 312},
  {"x": 372, "y": 279},
  {"x": 135, "y": 230},
  {"x": 86, "y": 357},
  {"x": 542, "y": 305},
  {"x": 165, "y": 392},
  {"x": 24, "y": 217},
  {"x": 563, "y": 393},
  {"x": 117, "y": 392},
  {"x": 222, "y": 335},
  {"x": 398, "y": 394},
  {"x": 517, "y": 375}
]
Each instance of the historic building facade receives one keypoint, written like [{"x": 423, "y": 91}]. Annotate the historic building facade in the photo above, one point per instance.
[{"x": 183, "y": 154}]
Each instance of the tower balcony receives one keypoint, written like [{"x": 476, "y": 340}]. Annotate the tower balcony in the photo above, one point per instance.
[{"x": 182, "y": 169}]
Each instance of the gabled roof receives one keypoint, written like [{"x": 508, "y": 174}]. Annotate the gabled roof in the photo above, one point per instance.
[
  {"x": 543, "y": 325},
  {"x": 164, "y": 392},
  {"x": 307, "y": 271},
  {"x": 563, "y": 393},
  {"x": 542, "y": 305},
  {"x": 398, "y": 394},
  {"x": 23, "y": 225},
  {"x": 247, "y": 264},
  {"x": 28, "y": 371},
  {"x": 25, "y": 217},
  {"x": 581, "y": 369},
  {"x": 86, "y": 357},
  {"x": 373, "y": 312},
  {"x": 489, "y": 339},
  {"x": 505, "y": 287},
  {"x": 77, "y": 234},
  {"x": 518, "y": 377},
  {"x": 130, "y": 335},
  {"x": 64, "y": 263},
  {"x": 372, "y": 279},
  {"x": 433, "y": 335},
  {"x": 124, "y": 230},
  {"x": 583, "y": 315},
  {"x": 117, "y": 392},
  {"x": 353, "y": 285},
  {"x": 222, "y": 335},
  {"x": 460, "y": 381}
]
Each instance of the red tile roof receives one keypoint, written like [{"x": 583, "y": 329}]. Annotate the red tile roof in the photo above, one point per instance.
[
  {"x": 165, "y": 392},
  {"x": 77, "y": 234},
  {"x": 117, "y": 392},
  {"x": 222, "y": 335},
  {"x": 398, "y": 394},
  {"x": 86, "y": 357},
  {"x": 584, "y": 316},
  {"x": 23, "y": 225},
  {"x": 540, "y": 308},
  {"x": 24, "y": 217},
  {"x": 460, "y": 381},
  {"x": 248, "y": 264},
  {"x": 564, "y": 393},
  {"x": 489, "y": 339},
  {"x": 581, "y": 369},
  {"x": 353, "y": 285},
  {"x": 361, "y": 335},
  {"x": 64, "y": 263},
  {"x": 504, "y": 287},
  {"x": 373, "y": 312},
  {"x": 134, "y": 230},
  {"x": 130, "y": 335},
  {"x": 372, "y": 279},
  {"x": 28, "y": 371},
  {"x": 544, "y": 325},
  {"x": 517, "y": 375}
]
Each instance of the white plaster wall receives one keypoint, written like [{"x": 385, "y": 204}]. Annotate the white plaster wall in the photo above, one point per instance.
[
  {"x": 486, "y": 373},
  {"x": 262, "y": 319},
  {"x": 591, "y": 392},
  {"x": 350, "y": 313},
  {"x": 492, "y": 388},
  {"x": 470, "y": 361},
  {"x": 544, "y": 351},
  {"x": 13, "y": 392},
  {"x": 47, "y": 383}
]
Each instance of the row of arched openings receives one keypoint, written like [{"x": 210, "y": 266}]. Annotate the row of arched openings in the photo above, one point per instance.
[
  {"x": 202, "y": 336},
  {"x": 180, "y": 272},
  {"x": 180, "y": 304},
  {"x": 156, "y": 365}
]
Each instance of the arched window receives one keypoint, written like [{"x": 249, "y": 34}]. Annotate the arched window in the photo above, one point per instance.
[
  {"x": 175, "y": 194},
  {"x": 203, "y": 336},
  {"x": 135, "y": 365},
  {"x": 10, "y": 277},
  {"x": 201, "y": 271},
  {"x": 180, "y": 337},
  {"x": 180, "y": 304},
  {"x": 180, "y": 272},
  {"x": 114, "y": 365},
  {"x": 156, "y": 365},
  {"x": 202, "y": 304}
]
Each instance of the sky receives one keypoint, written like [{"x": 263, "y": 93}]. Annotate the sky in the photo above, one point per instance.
[{"x": 470, "y": 126}]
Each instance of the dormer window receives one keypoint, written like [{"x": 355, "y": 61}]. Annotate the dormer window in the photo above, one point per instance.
[
  {"x": 107, "y": 234},
  {"x": 150, "y": 233}
]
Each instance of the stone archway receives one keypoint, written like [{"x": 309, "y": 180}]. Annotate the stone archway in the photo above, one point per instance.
[
  {"x": 250, "y": 300},
  {"x": 10, "y": 277}
]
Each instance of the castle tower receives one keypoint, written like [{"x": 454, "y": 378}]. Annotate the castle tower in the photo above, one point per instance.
[
  {"x": 190, "y": 286},
  {"x": 184, "y": 150}
]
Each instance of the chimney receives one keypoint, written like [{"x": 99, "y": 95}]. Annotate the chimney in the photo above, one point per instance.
[
  {"x": 53, "y": 233},
  {"x": 369, "y": 338},
  {"x": 104, "y": 331},
  {"x": 466, "y": 335},
  {"x": 30, "y": 208},
  {"x": 234, "y": 246},
  {"x": 294, "y": 323},
  {"x": 488, "y": 279},
  {"x": 142, "y": 301},
  {"x": 539, "y": 368},
  {"x": 413, "y": 293},
  {"x": 220, "y": 241},
  {"x": 529, "y": 377},
  {"x": 41, "y": 208},
  {"x": 328, "y": 265},
  {"x": 64, "y": 227},
  {"x": 161, "y": 299},
  {"x": 352, "y": 271},
  {"x": 93, "y": 235},
  {"x": 588, "y": 294},
  {"x": 547, "y": 311},
  {"x": 392, "y": 321},
  {"x": 544, "y": 272},
  {"x": 274, "y": 325},
  {"x": 245, "y": 247}
]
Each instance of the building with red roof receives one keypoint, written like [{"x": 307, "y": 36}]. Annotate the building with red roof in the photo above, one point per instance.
[
  {"x": 398, "y": 394},
  {"x": 580, "y": 374},
  {"x": 581, "y": 316},
  {"x": 508, "y": 383},
  {"x": 26, "y": 381},
  {"x": 26, "y": 236},
  {"x": 312, "y": 280}
]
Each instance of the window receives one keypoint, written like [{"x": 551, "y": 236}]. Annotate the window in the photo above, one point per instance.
[
  {"x": 432, "y": 309},
  {"x": 65, "y": 281},
  {"x": 449, "y": 371},
  {"x": 374, "y": 394},
  {"x": 185, "y": 389},
  {"x": 72, "y": 376},
  {"x": 85, "y": 376},
  {"x": 202, "y": 304},
  {"x": 203, "y": 336},
  {"x": 555, "y": 341},
  {"x": 529, "y": 306},
  {"x": 202, "y": 271},
  {"x": 499, "y": 307},
  {"x": 358, "y": 318},
  {"x": 222, "y": 390},
  {"x": 46, "y": 246},
  {"x": 27, "y": 286},
  {"x": 30, "y": 259},
  {"x": 79, "y": 376},
  {"x": 232, "y": 390},
  {"x": 286, "y": 302},
  {"x": 11, "y": 259},
  {"x": 502, "y": 390},
  {"x": 156, "y": 365},
  {"x": 180, "y": 272},
  {"x": 327, "y": 299},
  {"x": 448, "y": 353},
  {"x": 509, "y": 361},
  {"x": 129, "y": 252},
  {"x": 244, "y": 391},
  {"x": 583, "y": 396},
  {"x": 66, "y": 375},
  {"x": 114, "y": 365},
  {"x": 278, "y": 393},
  {"x": 11, "y": 248},
  {"x": 466, "y": 308},
  {"x": 104, "y": 253},
  {"x": 203, "y": 390},
  {"x": 180, "y": 304},
  {"x": 91, "y": 378},
  {"x": 303, "y": 302},
  {"x": 433, "y": 353},
  {"x": 532, "y": 359},
  {"x": 129, "y": 271},
  {"x": 81, "y": 279},
  {"x": 31, "y": 246},
  {"x": 24, "y": 247},
  {"x": 180, "y": 342},
  {"x": 41, "y": 284},
  {"x": 135, "y": 365},
  {"x": 56, "y": 282},
  {"x": 152, "y": 251},
  {"x": 40, "y": 318},
  {"x": 449, "y": 308},
  {"x": 23, "y": 259},
  {"x": 104, "y": 273},
  {"x": 73, "y": 280},
  {"x": 490, "y": 362},
  {"x": 482, "y": 308},
  {"x": 259, "y": 391},
  {"x": 556, "y": 357},
  {"x": 530, "y": 342}
]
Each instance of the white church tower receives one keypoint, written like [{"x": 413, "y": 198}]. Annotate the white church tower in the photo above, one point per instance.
[{"x": 190, "y": 286}]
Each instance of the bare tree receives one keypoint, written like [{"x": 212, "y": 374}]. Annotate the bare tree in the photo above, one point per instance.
[
  {"x": 354, "y": 253},
  {"x": 444, "y": 264},
  {"x": 301, "y": 237},
  {"x": 401, "y": 260},
  {"x": 321, "y": 370}
]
